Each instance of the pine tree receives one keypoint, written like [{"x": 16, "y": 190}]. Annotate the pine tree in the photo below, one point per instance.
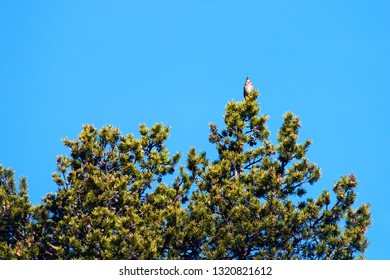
[
  {"x": 252, "y": 203},
  {"x": 16, "y": 238},
  {"x": 122, "y": 197},
  {"x": 111, "y": 202}
]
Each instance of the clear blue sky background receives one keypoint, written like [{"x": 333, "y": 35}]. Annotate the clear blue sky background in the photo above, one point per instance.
[{"x": 68, "y": 63}]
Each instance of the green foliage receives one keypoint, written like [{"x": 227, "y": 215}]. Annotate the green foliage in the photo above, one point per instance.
[
  {"x": 111, "y": 202},
  {"x": 122, "y": 197},
  {"x": 251, "y": 201},
  {"x": 15, "y": 235}
]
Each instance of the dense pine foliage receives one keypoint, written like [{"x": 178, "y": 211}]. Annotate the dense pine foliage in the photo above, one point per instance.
[{"x": 115, "y": 199}]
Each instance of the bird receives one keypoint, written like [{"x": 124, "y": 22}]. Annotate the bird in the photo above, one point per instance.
[{"x": 248, "y": 87}]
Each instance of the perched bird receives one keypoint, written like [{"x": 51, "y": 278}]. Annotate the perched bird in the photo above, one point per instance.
[{"x": 248, "y": 87}]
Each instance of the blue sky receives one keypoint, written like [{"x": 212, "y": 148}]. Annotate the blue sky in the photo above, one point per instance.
[{"x": 66, "y": 63}]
